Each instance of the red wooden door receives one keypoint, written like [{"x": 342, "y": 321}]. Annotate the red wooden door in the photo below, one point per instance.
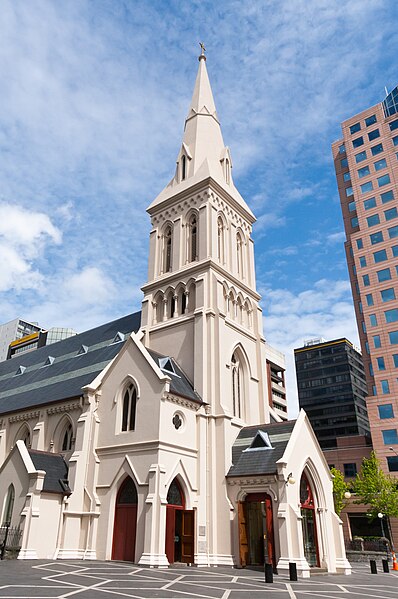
[
  {"x": 125, "y": 526},
  {"x": 187, "y": 537},
  {"x": 170, "y": 532},
  {"x": 124, "y": 533}
]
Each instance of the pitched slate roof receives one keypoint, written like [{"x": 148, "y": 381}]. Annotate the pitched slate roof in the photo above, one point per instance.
[
  {"x": 179, "y": 384},
  {"x": 77, "y": 361},
  {"x": 260, "y": 460},
  {"x": 54, "y": 465}
]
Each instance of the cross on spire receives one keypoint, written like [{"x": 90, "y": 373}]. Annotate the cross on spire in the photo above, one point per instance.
[{"x": 202, "y": 54}]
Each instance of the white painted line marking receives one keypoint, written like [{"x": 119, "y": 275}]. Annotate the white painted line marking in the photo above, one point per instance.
[
  {"x": 226, "y": 594},
  {"x": 290, "y": 591}
]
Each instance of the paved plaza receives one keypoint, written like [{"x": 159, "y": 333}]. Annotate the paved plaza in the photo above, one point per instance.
[{"x": 111, "y": 580}]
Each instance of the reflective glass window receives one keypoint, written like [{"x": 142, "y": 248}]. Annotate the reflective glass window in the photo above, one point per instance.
[
  {"x": 380, "y": 256},
  {"x": 359, "y": 244},
  {"x": 347, "y": 177},
  {"x": 365, "y": 187},
  {"x": 354, "y": 221},
  {"x": 373, "y": 220},
  {"x": 362, "y": 261},
  {"x": 369, "y": 203},
  {"x": 352, "y": 206},
  {"x": 384, "y": 180},
  {"x": 376, "y": 341},
  {"x": 376, "y": 237},
  {"x": 395, "y": 360},
  {"x": 357, "y": 142},
  {"x": 386, "y": 411},
  {"x": 385, "y": 387},
  {"x": 380, "y": 164},
  {"x": 369, "y": 299},
  {"x": 387, "y": 196},
  {"x": 342, "y": 149},
  {"x": 391, "y": 315},
  {"x": 390, "y": 436},
  {"x": 395, "y": 140},
  {"x": 373, "y": 320},
  {"x": 392, "y": 463},
  {"x": 383, "y": 275},
  {"x": 370, "y": 120},
  {"x": 349, "y": 192},
  {"x": 391, "y": 213},
  {"x": 393, "y": 232},
  {"x": 374, "y": 134},
  {"x": 393, "y": 125},
  {"x": 377, "y": 149},
  {"x": 363, "y": 172},
  {"x": 381, "y": 365},
  {"x": 360, "y": 157},
  {"x": 387, "y": 295},
  {"x": 344, "y": 163},
  {"x": 393, "y": 336},
  {"x": 355, "y": 128},
  {"x": 395, "y": 251},
  {"x": 366, "y": 280}
]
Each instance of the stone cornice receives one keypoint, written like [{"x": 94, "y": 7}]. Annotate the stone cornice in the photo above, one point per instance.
[
  {"x": 69, "y": 407},
  {"x": 182, "y": 401},
  {"x": 24, "y": 416}
]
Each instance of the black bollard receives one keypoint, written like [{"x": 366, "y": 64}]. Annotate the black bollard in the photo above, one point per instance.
[
  {"x": 269, "y": 575},
  {"x": 385, "y": 565},
  {"x": 293, "y": 571},
  {"x": 373, "y": 567}
]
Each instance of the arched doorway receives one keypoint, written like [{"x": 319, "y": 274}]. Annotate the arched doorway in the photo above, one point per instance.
[
  {"x": 179, "y": 527},
  {"x": 256, "y": 530},
  {"x": 124, "y": 532},
  {"x": 308, "y": 521}
]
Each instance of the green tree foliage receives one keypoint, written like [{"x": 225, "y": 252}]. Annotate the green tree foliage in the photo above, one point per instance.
[
  {"x": 340, "y": 487},
  {"x": 376, "y": 489}
]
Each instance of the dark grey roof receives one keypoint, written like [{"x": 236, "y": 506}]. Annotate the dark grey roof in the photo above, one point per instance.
[
  {"x": 54, "y": 465},
  {"x": 261, "y": 460},
  {"x": 70, "y": 370},
  {"x": 180, "y": 384}
]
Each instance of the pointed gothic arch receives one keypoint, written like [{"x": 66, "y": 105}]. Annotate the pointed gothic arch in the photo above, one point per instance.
[
  {"x": 192, "y": 231},
  {"x": 309, "y": 520},
  {"x": 240, "y": 254},
  {"x": 158, "y": 307},
  {"x": 167, "y": 248},
  {"x": 8, "y": 505},
  {"x": 128, "y": 398},
  {"x": 63, "y": 437},
  {"x": 221, "y": 229},
  {"x": 24, "y": 435}
]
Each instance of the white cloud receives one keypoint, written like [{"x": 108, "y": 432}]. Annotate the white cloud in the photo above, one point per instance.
[
  {"x": 323, "y": 311},
  {"x": 336, "y": 237}
]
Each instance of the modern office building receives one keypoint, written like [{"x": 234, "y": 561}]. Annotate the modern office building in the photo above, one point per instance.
[
  {"x": 13, "y": 330},
  {"x": 276, "y": 366},
  {"x": 366, "y": 166},
  {"x": 332, "y": 389},
  {"x": 38, "y": 339}
]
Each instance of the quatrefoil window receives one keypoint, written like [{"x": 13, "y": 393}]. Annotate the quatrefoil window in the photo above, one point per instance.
[{"x": 177, "y": 421}]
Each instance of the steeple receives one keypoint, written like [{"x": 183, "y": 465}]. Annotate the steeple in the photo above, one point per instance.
[{"x": 202, "y": 153}]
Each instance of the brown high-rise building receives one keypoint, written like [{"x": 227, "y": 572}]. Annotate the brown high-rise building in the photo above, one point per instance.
[{"x": 366, "y": 163}]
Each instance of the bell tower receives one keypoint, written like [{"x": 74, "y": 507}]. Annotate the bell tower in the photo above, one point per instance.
[{"x": 200, "y": 301}]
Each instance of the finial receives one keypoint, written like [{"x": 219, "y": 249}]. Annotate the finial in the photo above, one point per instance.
[{"x": 202, "y": 54}]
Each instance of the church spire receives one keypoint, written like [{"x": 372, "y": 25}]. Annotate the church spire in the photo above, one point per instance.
[{"x": 202, "y": 154}]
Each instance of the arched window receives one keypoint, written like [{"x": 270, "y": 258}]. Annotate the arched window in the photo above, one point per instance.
[
  {"x": 175, "y": 495},
  {"x": 220, "y": 240},
  {"x": 227, "y": 171},
  {"x": 67, "y": 438},
  {"x": 193, "y": 238},
  {"x": 236, "y": 386},
  {"x": 183, "y": 167},
  {"x": 129, "y": 408},
  {"x": 308, "y": 522},
  {"x": 167, "y": 248},
  {"x": 239, "y": 254},
  {"x": 9, "y": 504},
  {"x": 24, "y": 435}
]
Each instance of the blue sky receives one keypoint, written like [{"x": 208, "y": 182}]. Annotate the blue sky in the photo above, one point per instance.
[{"x": 93, "y": 101}]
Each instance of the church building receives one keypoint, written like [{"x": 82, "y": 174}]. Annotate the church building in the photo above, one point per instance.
[{"x": 152, "y": 439}]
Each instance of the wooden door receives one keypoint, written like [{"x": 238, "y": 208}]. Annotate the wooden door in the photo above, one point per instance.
[
  {"x": 188, "y": 537},
  {"x": 170, "y": 532},
  {"x": 243, "y": 544},
  {"x": 124, "y": 533}
]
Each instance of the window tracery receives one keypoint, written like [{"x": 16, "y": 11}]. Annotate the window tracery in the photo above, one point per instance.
[{"x": 129, "y": 408}]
